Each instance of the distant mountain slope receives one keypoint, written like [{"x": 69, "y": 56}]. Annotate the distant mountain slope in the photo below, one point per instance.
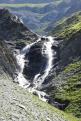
[
  {"x": 41, "y": 15},
  {"x": 68, "y": 25},
  {"x": 64, "y": 9},
  {"x": 25, "y": 1}
]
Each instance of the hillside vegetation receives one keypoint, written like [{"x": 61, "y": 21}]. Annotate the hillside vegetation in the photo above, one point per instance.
[
  {"x": 68, "y": 26},
  {"x": 69, "y": 90}
]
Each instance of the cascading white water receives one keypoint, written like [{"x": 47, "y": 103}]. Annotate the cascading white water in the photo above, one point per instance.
[
  {"x": 48, "y": 52},
  {"x": 38, "y": 79},
  {"x": 20, "y": 57},
  {"x": 21, "y": 62}
]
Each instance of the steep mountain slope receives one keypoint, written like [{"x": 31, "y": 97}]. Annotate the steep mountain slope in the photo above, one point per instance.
[
  {"x": 67, "y": 26},
  {"x": 67, "y": 83},
  {"x": 41, "y": 17},
  {"x": 13, "y": 34},
  {"x": 12, "y": 29},
  {"x": 15, "y": 102}
]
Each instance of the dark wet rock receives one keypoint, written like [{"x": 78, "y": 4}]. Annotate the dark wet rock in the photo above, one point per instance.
[
  {"x": 61, "y": 104},
  {"x": 43, "y": 38},
  {"x": 36, "y": 61}
]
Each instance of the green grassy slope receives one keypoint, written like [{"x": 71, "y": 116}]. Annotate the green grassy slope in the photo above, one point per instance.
[
  {"x": 71, "y": 90},
  {"x": 69, "y": 30},
  {"x": 68, "y": 26}
]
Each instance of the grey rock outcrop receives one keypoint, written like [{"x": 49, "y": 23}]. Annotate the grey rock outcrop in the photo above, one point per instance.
[{"x": 13, "y": 34}]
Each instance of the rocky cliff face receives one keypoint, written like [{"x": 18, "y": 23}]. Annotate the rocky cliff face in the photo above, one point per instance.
[
  {"x": 12, "y": 29},
  {"x": 13, "y": 34},
  {"x": 7, "y": 61}
]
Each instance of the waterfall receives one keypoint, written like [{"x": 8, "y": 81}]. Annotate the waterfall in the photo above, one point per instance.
[
  {"x": 21, "y": 62},
  {"x": 39, "y": 78},
  {"x": 20, "y": 57},
  {"x": 48, "y": 52}
]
